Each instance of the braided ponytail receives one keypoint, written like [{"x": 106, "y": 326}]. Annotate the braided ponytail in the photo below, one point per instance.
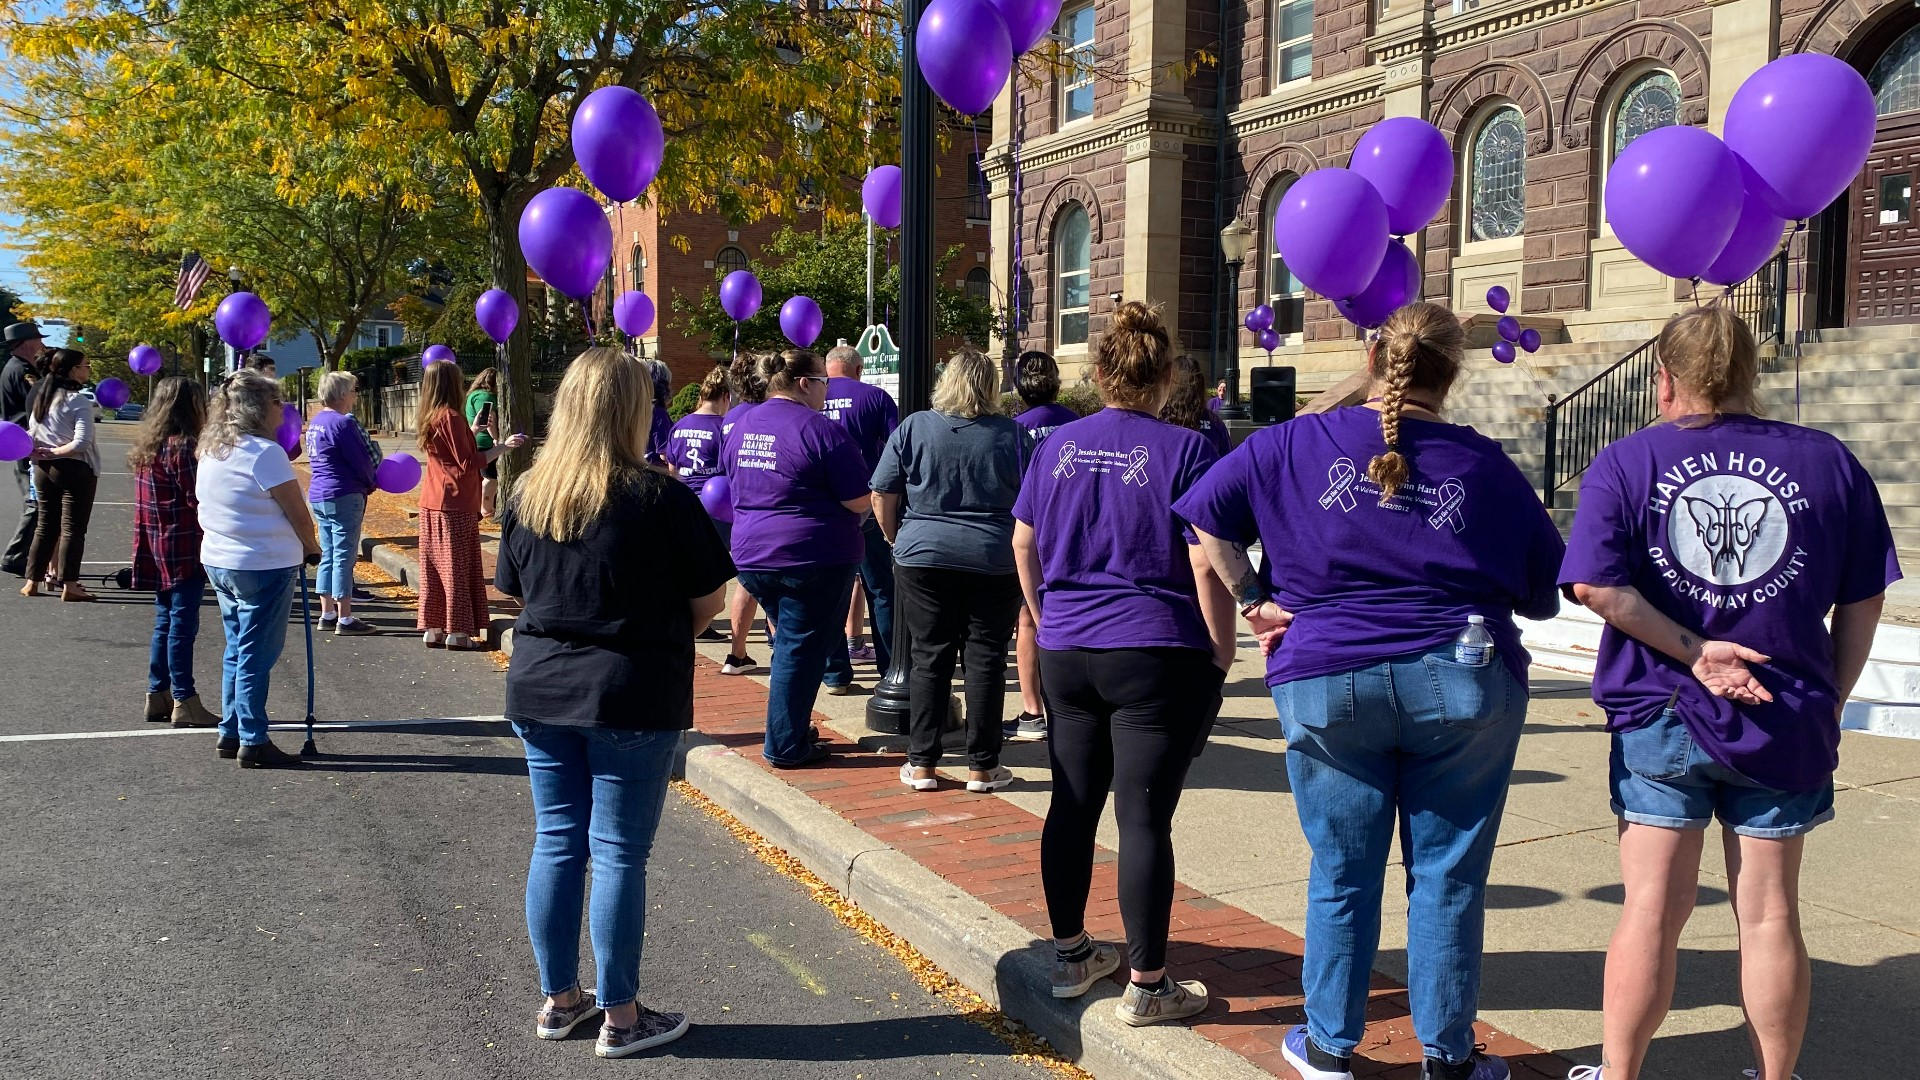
[{"x": 1420, "y": 348}]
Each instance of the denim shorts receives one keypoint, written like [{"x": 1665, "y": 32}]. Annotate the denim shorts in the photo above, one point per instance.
[{"x": 1662, "y": 777}]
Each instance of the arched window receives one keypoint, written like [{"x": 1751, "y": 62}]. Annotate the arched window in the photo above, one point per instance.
[
  {"x": 1896, "y": 78},
  {"x": 1650, "y": 101},
  {"x": 1497, "y": 176},
  {"x": 980, "y": 285},
  {"x": 1072, "y": 274},
  {"x": 637, "y": 269},
  {"x": 1276, "y": 281},
  {"x": 729, "y": 260}
]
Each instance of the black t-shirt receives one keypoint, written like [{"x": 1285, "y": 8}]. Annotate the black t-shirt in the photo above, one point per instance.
[{"x": 605, "y": 638}]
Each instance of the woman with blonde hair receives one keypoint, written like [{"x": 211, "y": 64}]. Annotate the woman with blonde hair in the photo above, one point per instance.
[
  {"x": 943, "y": 493},
  {"x": 166, "y": 547},
  {"x": 615, "y": 565},
  {"x": 1722, "y": 705},
  {"x": 256, "y": 534},
  {"x": 1135, "y": 640},
  {"x": 1410, "y": 544},
  {"x": 343, "y": 461},
  {"x": 453, "y": 583}
]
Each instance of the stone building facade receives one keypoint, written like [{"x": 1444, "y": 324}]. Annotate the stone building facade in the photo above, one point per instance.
[{"x": 1114, "y": 170}]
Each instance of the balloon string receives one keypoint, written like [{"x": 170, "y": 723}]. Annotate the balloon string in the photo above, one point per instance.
[
  {"x": 1799, "y": 305},
  {"x": 1019, "y": 186}
]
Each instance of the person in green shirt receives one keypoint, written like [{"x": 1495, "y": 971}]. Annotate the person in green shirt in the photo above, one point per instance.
[{"x": 480, "y": 395}]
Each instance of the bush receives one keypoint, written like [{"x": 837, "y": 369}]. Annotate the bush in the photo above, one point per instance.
[
  {"x": 684, "y": 402},
  {"x": 356, "y": 359},
  {"x": 1082, "y": 399}
]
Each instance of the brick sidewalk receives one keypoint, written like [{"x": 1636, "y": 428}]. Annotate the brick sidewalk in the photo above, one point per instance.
[{"x": 990, "y": 848}]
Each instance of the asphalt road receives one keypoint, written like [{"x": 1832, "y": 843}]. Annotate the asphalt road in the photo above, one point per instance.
[{"x": 164, "y": 914}]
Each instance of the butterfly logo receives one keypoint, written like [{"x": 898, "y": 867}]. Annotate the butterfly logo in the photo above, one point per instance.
[{"x": 1727, "y": 529}]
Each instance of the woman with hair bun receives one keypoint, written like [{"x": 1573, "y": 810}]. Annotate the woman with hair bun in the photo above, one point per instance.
[
  {"x": 1409, "y": 545},
  {"x": 1135, "y": 639},
  {"x": 747, "y": 381}
]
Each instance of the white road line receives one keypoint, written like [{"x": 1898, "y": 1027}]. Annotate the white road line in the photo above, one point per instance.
[{"x": 342, "y": 725}]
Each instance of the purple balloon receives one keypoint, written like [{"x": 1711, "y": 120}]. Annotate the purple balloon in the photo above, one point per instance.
[
  {"x": 288, "y": 433},
  {"x": 1260, "y": 318},
  {"x": 801, "y": 321},
  {"x": 112, "y": 393},
  {"x": 1331, "y": 229},
  {"x": 740, "y": 295},
  {"x": 397, "y": 474},
  {"x": 15, "y": 443},
  {"x": 633, "y": 313},
  {"x": 1805, "y": 123},
  {"x": 1268, "y": 339},
  {"x": 965, "y": 52},
  {"x": 1503, "y": 351},
  {"x": 243, "y": 320},
  {"x": 1396, "y": 283},
  {"x": 1498, "y": 298},
  {"x": 435, "y": 354},
  {"x": 1530, "y": 340},
  {"x": 1673, "y": 197},
  {"x": 1028, "y": 21},
  {"x": 1509, "y": 328},
  {"x": 1408, "y": 162},
  {"x": 880, "y": 194},
  {"x": 618, "y": 140},
  {"x": 145, "y": 360},
  {"x": 1755, "y": 237},
  {"x": 717, "y": 496},
  {"x": 497, "y": 314},
  {"x": 567, "y": 240}
]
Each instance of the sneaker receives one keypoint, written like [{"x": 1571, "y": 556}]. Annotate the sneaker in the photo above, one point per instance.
[
  {"x": 997, "y": 777},
  {"x": 849, "y": 690},
  {"x": 815, "y": 756},
  {"x": 555, "y": 1022},
  {"x": 1312, "y": 1062},
  {"x": 328, "y": 620},
  {"x": 460, "y": 642},
  {"x": 1592, "y": 1072},
  {"x": 917, "y": 783},
  {"x": 862, "y": 653},
  {"x": 739, "y": 665},
  {"x": 650, "y": 1030},
  {"x": 361, "y": 594},
  {"x": 266, "y": 756},
  {"x": 352, "y": 627},
  {"x": 191, "y": 712},
  {"x": 434, "y": 639},
  {"x": 1479, "y": 1065},
  {"x": 1175, "y": 1001},
  {"x": 1071, "y": 978},
  {"x": 710, "y": 634},
  {"x": 159, "y": 707},
  {"x": 1025, "y": 728},
  {"x": 227, "y": 748},
  {"x": 1750, "y": 1074}
]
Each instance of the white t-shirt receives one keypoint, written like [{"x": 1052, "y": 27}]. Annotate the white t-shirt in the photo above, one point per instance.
[{"x": 245, "y": 528}]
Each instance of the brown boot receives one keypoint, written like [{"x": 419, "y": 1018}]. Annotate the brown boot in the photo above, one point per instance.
[
  {"x": 159, "y": 707},
  {"x": 190, "y": 713}
]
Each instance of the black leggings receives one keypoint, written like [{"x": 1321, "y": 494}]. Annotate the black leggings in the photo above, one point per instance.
[{"x": 1130, "y": 720}]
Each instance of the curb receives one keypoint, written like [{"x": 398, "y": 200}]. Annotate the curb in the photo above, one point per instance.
[
  {"x": 406, "y": 570},
  {"x": 987, "y": 952}
]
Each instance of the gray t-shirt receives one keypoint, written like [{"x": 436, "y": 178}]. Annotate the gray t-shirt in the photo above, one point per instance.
[{"x": 960, "y": 478}]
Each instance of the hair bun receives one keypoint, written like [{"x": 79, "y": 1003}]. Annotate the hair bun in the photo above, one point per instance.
[{"x": 1137, "y": 318}]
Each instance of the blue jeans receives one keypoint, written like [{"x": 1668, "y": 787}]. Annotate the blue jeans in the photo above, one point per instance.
[
  {"x": 1429, "y": 743},
  {"x": 876, "y": 578},
  {"x": 254, "y": 605},
  {"x": 176, "y": 623},
  {"x": 810, "y": 608},
  {"x": 339, "y": 521},
  {"x": 598, "y": 794}
]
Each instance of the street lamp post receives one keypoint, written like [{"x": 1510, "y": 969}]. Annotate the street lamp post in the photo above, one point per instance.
[{"x": 1234, "y": 240}]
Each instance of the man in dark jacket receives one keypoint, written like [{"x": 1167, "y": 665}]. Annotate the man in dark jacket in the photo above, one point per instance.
[{"x": 22, "y": 344}]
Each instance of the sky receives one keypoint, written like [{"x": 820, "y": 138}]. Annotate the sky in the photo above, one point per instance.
[{"x": 11, "y": 274}]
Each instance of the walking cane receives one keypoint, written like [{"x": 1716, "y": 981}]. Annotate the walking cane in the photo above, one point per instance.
[{"x": 306, "y": 623}]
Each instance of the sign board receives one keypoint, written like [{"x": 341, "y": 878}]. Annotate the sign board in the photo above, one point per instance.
[{"x": 878, "y": 353}]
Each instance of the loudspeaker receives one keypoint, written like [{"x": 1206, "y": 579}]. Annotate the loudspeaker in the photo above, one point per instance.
[{"x": 1271, "y": 400}]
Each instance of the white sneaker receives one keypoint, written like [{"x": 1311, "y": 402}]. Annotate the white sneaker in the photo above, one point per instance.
[
  {"x": 1592, "y": 1072},
  {"x": 1750, "y": 1074},
  {"x": 434, "y": 639},
  {"x": 917, "y": 783},
  {"x": 739, "y": 665},
  {"x": 997, "y": 777}
]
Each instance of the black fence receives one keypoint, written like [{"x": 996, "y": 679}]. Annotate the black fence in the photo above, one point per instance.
[{"x": 1761, "y": 301}]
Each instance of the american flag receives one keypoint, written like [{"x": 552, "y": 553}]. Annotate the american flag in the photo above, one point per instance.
[{"x": 193, "y": 274}]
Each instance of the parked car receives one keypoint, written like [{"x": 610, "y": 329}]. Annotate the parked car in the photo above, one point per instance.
[
  {"x": 132, "y": 410},
  {"x": 100, "y": 412}
]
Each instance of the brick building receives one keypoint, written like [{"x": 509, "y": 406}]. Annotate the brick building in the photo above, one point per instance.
[
  {"x": 1124, "y": 183},
  {"x": 645, "y": 256}
]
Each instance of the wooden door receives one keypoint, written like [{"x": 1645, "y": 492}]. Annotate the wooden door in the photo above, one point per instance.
[{"x": 1883, "y": 257}]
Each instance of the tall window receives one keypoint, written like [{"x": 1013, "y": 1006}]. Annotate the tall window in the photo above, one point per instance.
[
  {"x": 1291, "y": 32},
  {"x": 1076, "y": 85},
  {"x": 1650, "y": 101},
  {"x": 980, "y": 285},
  {"x": 1896, "y": 78},
  {"x": 729, "y": 260},
  {"x": 1498, "y": 176},
  {"x": 637, "y": 269},
  {"x": 979, "y": 208},
  {"x": 1073, "y": 274},
  {"x": 1276, "y": 281}
]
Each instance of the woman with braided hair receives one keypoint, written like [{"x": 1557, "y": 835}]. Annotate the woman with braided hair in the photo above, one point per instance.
[{"x": 1400, "y": 531}]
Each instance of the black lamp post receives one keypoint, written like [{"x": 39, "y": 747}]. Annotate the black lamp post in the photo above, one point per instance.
[{"x": 1234, "y": 240}]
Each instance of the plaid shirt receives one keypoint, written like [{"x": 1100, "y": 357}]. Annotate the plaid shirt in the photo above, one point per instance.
[{"x": 166, "y": 519}]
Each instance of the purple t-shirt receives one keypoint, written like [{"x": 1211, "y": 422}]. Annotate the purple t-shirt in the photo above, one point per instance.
[
  {"x": 790, "y": 468},
  {"x": 1215, "y": 432},
  {"x": 734, "y": 416},
  {"x": 1114, "y": 568},
  {"x": 1745, "y": 530},
  {"x": 694, "y": 448},
  {"x": 1213, "y": 405},
  {"x": 866, "y": 411},
  {"x": 1466, "y": 535},
  {"x": 1042, "y": 419},
  {"x": 657, "y": 434},
  {"x": 341, "y": 457}
]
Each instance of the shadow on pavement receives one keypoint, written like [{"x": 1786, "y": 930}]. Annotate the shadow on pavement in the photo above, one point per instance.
[{"x": 909, "y": 1037}]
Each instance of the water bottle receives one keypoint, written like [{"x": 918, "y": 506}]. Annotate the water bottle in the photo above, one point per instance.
[{"x": 1474, "y": 646}]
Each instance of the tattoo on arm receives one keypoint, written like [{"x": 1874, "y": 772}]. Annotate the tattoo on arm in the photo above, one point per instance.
[
  {"x": 1247, "y": 589},
  {"x": 1686, "y": 640}
]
